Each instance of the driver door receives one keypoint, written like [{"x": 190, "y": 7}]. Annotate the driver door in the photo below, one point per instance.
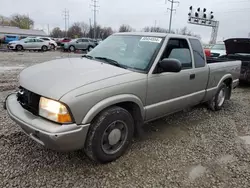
[{"x": 170, "y": 92}]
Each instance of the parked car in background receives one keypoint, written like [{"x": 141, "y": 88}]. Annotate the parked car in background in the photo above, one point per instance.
[
  {"x": 52, "y": 43},
  {"x": 80, "y": 44},
  {"x": 218, "y": 50},
  {"x": 239, "y": 49},
  {"x": 207, "y": 52},
  {"x": 100, "y": 101},
  {"x": 29, "y": 44},
  {"x": 10, "y": 38},
  {"x": 62, "y": 41}
]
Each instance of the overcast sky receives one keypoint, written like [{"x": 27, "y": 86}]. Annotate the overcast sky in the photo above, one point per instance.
[{"x": 232, "y": 14}]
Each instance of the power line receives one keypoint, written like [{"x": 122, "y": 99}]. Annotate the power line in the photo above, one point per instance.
[
  {"x": 171, "y": 12},
  {"x": 95, "y": 6},
  {"x": 66, "y": 19}
]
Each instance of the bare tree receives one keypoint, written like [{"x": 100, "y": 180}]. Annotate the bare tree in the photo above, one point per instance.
[
  {"x": 22, "y": 21},
  {"x": 75, "y": 31},
  {"x": 154, "y": 29},
  {"x": 85, "y": 28},
  {"x": 186, "y": 31},
  {"x": 125, "y": 28},
  {"x": 106, "y": 31},
  {"x": 56, "y": 33}
]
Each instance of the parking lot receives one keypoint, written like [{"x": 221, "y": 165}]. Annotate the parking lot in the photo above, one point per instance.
[{"x": 193, "y": 148}]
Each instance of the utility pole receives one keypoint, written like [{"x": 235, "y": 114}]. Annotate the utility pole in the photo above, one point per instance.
[
  {"x": 171, "y": 12},
  {"x": 90, "y": 28},
  {"x": 66, "y": 18},
  {"x": 95, "y": 6},
  {"x": 48, "y": 29}
]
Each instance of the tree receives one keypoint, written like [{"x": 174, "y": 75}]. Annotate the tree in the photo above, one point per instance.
[
  {"x": 75, "y": 31},
  {"x": 101, "y": 32},
  {"x": 154, "y": 29},
  {"x": 125, "y": 28},
  {"x": 4, "y": 21},
  {"x": 85, "y": 28},
  {"x": 21, "y": 21},
  {"x": 56, "y": 33},
  {"x": 106, "y": 31},
  {"x": 186, "y": 31}
]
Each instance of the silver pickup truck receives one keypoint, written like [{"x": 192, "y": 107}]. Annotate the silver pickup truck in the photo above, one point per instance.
[{"x": 100, "y": 101}]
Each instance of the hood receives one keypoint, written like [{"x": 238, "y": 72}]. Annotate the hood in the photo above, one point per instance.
[
  {"x": 14, "y": 42},
  {"x": 237, "y": 45},
  {"x": 55, "y": 78}
]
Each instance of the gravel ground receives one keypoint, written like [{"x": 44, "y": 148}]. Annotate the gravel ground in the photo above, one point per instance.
[{"x": 195, "y": 148}]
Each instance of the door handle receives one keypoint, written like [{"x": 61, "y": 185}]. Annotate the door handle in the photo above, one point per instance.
[{"x": 192, "y": 76}]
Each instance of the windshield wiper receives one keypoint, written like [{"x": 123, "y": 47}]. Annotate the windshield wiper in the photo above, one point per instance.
[
  {"x": 111, "y": 61},
  {"x": 88, "y": 56}
]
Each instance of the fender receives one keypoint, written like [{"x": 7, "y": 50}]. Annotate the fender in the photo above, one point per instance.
[
  {"x": 97, "y": 108},
  {"x": 224, "y": 78},
  {"x": 212, "y": 91}
]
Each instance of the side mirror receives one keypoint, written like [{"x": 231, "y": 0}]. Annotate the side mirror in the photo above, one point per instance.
[
  {"x": 77, "y": 42},
  {"x": 169, "y": 65}
]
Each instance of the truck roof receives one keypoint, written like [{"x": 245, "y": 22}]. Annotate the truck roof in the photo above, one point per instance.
[{"x": 154, "y": 34}]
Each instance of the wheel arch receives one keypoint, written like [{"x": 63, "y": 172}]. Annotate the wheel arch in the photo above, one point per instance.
[{"x": 127, "y": 101}]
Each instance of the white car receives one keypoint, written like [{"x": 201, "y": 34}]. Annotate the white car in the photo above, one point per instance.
[
  {"x": 29, "y": 44},
  {"x": 52, "y": 43},
  {"x": 218, "y": 50}
]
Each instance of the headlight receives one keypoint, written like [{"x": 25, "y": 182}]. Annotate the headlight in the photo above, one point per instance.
[{"x": 54, "y": 111}]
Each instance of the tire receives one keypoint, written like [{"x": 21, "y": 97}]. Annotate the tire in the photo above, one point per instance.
[
  {"x": 19, "y": 47},
  {"x": 219, "y": 99},
  {"x": 110, "y": 135},
  {"x": 72, "y": 48},
  {"x": 44, "y": 48},
  {"x": 53, "y": 47},
  {"x": 90, "y": 48}
]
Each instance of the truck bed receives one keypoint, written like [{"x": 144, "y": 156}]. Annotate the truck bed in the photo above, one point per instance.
[
  {"x": 219, "y": 68},
  {"x": 245, "y": 64}
]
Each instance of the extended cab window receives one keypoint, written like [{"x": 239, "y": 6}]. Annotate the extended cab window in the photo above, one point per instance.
[
  {"x": 179, "y": 49},
  {"x": 199, "y": 58}
]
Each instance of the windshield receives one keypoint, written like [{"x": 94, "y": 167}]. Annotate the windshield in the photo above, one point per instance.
[
  {"x": 133, "y": 52},
  {"x": 219, "y": 47}
]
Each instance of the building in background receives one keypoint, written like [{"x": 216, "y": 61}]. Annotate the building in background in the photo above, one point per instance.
[{"x": 8, "y": 33}]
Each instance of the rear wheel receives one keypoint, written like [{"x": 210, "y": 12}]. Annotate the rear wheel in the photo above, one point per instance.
[
  {"x": 19, "y": 47},
  {"x": 72, "y": 48},
  {"x": 219, "y": 99},
  {"x": 44, "y": 48},
  {"x": 110, "y": 135}
]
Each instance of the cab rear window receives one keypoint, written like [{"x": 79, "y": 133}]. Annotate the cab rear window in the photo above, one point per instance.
[{"x": 199, "y": 58}]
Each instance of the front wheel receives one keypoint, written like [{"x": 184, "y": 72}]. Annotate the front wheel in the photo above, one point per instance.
[
  {"x": 19, "y": 47},
  {"x": 110, "y": 135},
  {"x": 219, "y": 99}
]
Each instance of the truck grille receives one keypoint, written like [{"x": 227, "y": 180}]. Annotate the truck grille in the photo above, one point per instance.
[{"x": 28, "y": 100}]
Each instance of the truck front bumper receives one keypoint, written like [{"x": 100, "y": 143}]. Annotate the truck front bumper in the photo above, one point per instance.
[{"x": 49, "y": 134}]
